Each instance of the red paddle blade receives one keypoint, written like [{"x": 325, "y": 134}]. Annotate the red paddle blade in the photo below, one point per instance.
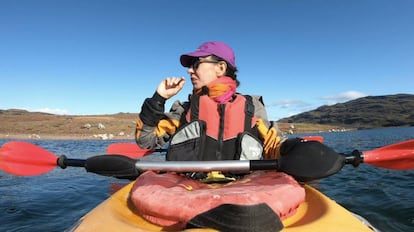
[
  {"x": 25, "y": 159},
  {"x": 127, "y": 149},
  {"x": 313, "y": 138},
  {"x": 399, "y": 156}
]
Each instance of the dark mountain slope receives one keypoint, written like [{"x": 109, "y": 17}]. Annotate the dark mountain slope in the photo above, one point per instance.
[{"x": 366, "y": 112}]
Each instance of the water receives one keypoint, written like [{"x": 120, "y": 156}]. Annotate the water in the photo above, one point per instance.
[{"x": 56, "y": 200}]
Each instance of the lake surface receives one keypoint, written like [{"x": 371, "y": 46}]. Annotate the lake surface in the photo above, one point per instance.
[{"x": 56, "y": 200}]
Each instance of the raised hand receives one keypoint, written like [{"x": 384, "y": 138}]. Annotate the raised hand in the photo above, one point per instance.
[{"x": 170, "y": 86}]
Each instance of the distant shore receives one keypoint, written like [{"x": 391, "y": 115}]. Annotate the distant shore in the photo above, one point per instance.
[
  {"x": 62, "y": 137},
  {"x": 24, "y": 125},
  {"x": 102, "y": 135}
]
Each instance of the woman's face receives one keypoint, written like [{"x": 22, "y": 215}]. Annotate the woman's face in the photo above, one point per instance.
[{"x": 205, "y": 70}]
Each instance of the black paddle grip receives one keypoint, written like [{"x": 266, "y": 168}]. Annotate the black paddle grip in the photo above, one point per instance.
[
  {"x": 64, "y": 162},
  {"x": 263, "y": 165}
]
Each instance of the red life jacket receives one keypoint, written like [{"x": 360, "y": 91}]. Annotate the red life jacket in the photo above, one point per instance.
[{"x": 214, "y": 131}]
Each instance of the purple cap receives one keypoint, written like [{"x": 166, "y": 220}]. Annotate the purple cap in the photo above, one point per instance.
[{"x": 216, "y": 48}]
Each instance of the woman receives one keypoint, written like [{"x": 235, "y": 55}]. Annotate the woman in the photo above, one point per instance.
[{"x": 210, "y": 125}]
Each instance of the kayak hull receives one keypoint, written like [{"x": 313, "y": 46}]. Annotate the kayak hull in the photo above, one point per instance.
[{"x": 316, "y": 213}]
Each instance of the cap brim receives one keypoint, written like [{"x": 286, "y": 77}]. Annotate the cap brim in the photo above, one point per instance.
[{"x": 187, "y": 59}]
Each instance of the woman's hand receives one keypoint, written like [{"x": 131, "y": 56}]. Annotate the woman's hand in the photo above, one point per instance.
[{"x": 170, "y": 86}]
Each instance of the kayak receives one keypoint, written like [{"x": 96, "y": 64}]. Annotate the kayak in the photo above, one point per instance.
[{"x": 317, "y": 212}]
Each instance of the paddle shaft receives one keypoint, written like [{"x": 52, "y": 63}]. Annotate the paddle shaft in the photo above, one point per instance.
[
  {"x": 304, "y": 167},
  {"x": 207, "y": 166},
  {"x": 188, "y": 166},
  {"x": 180, "y": 166}
]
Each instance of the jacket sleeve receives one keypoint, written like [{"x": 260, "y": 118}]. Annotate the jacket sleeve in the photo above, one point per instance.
[
  {"x": 154, "y": 127},
  {"x": 268, "y": 131}
]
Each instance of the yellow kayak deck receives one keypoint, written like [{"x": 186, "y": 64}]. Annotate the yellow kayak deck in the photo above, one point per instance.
[{"x": 318, "y": 213}]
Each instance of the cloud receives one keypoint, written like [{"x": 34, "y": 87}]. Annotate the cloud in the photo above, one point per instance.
[
  {"x": 343, "y": 97},
  {"x": 289, "y": 107},
  {"x": 286, "y": 108},
  {"x": 51, "y": 111},
  {"x": 285, "y": 104},
  {"x": 288, "y": 103}
]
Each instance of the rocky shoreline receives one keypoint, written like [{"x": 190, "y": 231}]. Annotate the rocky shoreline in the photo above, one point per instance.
[
  {"x": 65, "y": 137},
  {"x": 24, "y": 125}
]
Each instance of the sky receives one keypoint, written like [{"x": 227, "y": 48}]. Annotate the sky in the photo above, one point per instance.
[{"x": 87, "y": 57}]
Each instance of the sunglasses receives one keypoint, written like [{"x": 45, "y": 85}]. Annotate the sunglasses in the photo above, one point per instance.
[{"x": 199, "y": 61}]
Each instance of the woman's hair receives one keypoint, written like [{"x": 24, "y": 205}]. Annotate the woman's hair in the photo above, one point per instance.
[{"x": 230, "y": 71}]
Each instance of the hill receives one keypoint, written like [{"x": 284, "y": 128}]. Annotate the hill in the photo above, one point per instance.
[
  {"x": 22, "y": 124},
  {"x": 362, "y": 113}
]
